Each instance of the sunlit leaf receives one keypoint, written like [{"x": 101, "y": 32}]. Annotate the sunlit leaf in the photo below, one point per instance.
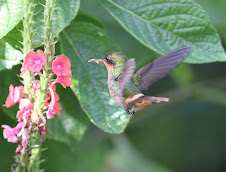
[
  {"x": 10, "y": 45},
  {"x": 11, "y": 13}
]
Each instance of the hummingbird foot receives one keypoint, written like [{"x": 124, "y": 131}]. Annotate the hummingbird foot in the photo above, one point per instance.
[{"x": 130, "y": 112}]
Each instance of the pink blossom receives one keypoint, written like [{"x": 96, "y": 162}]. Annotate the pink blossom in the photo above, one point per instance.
[
  {"x": 10, "y": 134},
  {"x": 64, "y": 80},
  {"x": 15, "y": 95},
  {"x": 61, "y": 65},
  {"x": 33, "y": 62}
]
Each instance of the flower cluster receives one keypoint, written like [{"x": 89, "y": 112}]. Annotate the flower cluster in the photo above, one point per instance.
[{"x": 31, "y": 118}]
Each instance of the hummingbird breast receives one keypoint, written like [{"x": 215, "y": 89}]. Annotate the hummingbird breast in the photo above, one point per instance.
[
  {"x": 130, "y": 91},
  {"x": 114, "y": 90}
]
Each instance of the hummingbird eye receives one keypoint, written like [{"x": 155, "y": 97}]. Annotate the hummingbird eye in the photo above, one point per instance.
[{"x": 108, "y": 59}]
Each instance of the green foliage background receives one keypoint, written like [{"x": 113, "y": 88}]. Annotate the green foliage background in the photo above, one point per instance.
[{"x": 187, "y": 134}]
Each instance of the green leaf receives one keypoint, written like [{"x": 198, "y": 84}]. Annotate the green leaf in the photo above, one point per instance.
[
  {"x": 11, "y": 13},
  {"x": 81, "y": 41},
  {"x": 10, "y": 53},
  {"x": 165, "y": 25},
  {"x": 70, "y": 126},
  {"x": 64, "y": 12}
]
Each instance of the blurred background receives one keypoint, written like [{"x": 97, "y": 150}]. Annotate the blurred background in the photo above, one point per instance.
[{"x": 186, "y": 135}]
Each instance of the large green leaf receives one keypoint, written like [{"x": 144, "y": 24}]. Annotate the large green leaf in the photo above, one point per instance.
[
  {"x": 167, "y": 24},
  {"x": 11, "y": 13},
  {"x": 69, "y": 127},
  {"x": 64, "y": 12},
  {"x": 81, "y": 41}
]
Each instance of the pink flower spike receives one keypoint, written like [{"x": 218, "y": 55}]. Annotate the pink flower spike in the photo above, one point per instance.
[
  {"x": 64, "y": 80},
  {"x": 10, "y": 134},
  {"x": 34, "y": 62},
  {"x": 61, "y": 65},
  {"x": 15, "y": 95}
]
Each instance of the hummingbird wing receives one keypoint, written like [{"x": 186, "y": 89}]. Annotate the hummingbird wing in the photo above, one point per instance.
[
  {"x": 159, "y": 68},
  {"x": 127, "y": 74}
]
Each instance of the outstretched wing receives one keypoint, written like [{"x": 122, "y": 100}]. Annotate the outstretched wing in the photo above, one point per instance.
[
  {"x": 159, "y": 68},
  {"x": 127, "y": 74}
]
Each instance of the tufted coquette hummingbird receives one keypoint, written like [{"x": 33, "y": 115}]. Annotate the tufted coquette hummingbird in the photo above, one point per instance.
[{"x": 125, "y": 87}]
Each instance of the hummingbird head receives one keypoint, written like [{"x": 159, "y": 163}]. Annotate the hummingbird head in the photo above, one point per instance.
[{"x": 112, "y": 60}]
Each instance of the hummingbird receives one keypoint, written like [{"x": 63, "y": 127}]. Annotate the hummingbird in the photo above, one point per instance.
[{"x": 126, "y": 86}]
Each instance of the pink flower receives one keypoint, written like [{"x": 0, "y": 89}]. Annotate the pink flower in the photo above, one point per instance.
[
  {"x": 15, "y": 95},
  {"x": 10, "y": 134},
  {"x": 64, "y": 80},
  {"x": 61, "y": 66},
  {"x": 33, "y": 62}
]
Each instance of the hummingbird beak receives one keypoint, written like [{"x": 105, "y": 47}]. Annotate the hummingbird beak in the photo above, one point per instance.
[{"x": 96, "y": 60}]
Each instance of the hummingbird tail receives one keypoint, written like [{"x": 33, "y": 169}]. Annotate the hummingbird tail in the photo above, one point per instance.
[{"x": 140, "y": 101}]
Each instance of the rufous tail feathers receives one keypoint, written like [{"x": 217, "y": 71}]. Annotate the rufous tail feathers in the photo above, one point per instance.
[{"x": 140, "y": 101}]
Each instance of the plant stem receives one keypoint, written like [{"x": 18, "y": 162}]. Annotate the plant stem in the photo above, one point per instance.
[
  {"x": 35, "y": 152},
  {"x": 48, "y": 30}
]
